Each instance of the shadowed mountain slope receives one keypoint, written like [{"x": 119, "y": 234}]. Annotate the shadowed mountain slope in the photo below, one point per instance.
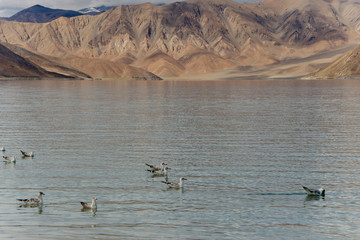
[
  {"x": 13, "y": 65},
  {"x": 40, "y": 14}
]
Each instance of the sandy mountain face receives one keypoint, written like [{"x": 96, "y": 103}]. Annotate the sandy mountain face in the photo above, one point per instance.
[
  {"x": 345, "y": 66},
  {"x": 191, "y": 37},
  {"x": 13, "y": 65}
]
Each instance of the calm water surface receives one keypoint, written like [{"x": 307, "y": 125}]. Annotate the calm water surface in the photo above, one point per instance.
[{"x": 244, "y": 146}]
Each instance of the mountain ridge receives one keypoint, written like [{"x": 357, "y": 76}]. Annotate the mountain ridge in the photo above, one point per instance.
[
  {"x": 41, "y": 14},
  {"x": 192, "y": 37}
]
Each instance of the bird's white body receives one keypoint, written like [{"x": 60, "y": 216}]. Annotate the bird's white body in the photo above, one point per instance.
[
  {"x": 2, "y": 149},
  {"x": 91, "y": 205}
]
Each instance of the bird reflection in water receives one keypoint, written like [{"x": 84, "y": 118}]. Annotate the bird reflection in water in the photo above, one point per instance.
[
  {"x": 39, "y": 207},
  {"x": 314, "y": 198},
  {"x": 92, "y": 210}
]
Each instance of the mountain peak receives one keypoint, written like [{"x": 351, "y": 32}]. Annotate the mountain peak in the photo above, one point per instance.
[
  {"x": 95, "y": 10},
  {"x": 41, "y": 14},
  {"x": 37, "y": 6}
]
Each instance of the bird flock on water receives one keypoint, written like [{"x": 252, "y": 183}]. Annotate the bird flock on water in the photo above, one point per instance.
[
  {"x": 162, "y": 171},
  {"x": 156, "y": 171},
  {"x": 38, "y": 201}
]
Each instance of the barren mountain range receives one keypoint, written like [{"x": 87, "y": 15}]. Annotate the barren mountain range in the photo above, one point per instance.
[
  {"x": 272, "y": 38},
  {"x": 41, "y": 14}
]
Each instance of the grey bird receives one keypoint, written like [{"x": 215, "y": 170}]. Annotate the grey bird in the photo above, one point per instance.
[
  {"x": 314, "y": 192},
  {"x": 91, "y": 205},
  {"x": 34, "y": 201},
  {"x": 180, "y": 184}
]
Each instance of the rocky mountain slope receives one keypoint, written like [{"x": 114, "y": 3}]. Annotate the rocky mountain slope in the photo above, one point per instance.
[
  {"x": 190, "y": 37},
  {"x": 346, "y": 66},
  {"x": 13, "y": 65}
]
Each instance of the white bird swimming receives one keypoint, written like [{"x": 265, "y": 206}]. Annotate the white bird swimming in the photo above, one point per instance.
[
  {"x": 91, "y": 205},
  {"x": 152, "y": 167},
  {"x": 10, "y": 159},
  {"x": 180, "y": 184},
  {"x": 314, "y": 192},
  {"x": 27, "y": 154},
  {"x": 159, "y": 173},
  {"x": 34, "y": 201},
  {"x": 2, "y": 149}
]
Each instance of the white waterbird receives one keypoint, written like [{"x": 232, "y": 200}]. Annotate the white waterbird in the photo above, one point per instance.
[
  {"x": 155, "y": 168},
  {"x": 314, "y": 192},
  {"x": 27, "y": 154},
  {"x": 180, "y": 184},
  {"x": 159, "y": 173},
  {"x": 34, "y": 201},
  {"x": 91, "y": 205},
  {"x": 10, "y": 159}
]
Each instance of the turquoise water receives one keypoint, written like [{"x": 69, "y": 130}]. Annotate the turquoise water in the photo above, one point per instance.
[{"x": 244, "y": 146}]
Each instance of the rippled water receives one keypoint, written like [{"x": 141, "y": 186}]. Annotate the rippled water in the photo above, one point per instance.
[{"x": 244, "y": 146}]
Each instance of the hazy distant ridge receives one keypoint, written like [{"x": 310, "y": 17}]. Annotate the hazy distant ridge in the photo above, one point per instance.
[
  {"x": 41, "y": 14},
  {"x": 94, "y": 10}
]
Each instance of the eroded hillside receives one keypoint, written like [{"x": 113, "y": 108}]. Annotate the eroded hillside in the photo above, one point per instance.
[{"x": 189, "y": 37}]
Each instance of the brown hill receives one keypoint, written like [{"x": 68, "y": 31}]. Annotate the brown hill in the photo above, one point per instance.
[
  {"x": 46, "y": 63},
  {"x": 347, "y": 66},
  {"x": 13, "y": 65},
  {"x": 189, "y": 37}
]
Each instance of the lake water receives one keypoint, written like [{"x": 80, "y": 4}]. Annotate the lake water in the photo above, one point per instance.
[{"x": 244, "y": 146}]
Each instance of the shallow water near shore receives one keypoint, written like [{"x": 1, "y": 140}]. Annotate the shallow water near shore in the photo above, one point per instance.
[{"x": 245, "y": 148}]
